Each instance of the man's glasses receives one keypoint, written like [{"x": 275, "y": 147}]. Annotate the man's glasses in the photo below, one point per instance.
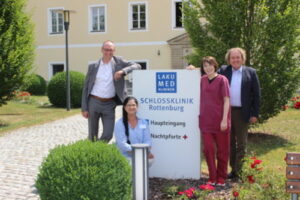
[{"x": 110, "y": 50}]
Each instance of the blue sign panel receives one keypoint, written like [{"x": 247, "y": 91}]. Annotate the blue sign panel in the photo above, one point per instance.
[{"x": 166, "y": 82}]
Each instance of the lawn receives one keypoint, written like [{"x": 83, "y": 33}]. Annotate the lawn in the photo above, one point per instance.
[
  {"x": 32, "y": 111},
  {"x": 272, "y": 140}
]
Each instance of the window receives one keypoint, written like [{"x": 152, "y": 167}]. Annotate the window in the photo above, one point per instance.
[
  {"x": 57, "y": 68},
  {"x": 56, "y": 21},
  {"x": 138, "y": 16},
  {"x": 54, "y": 68},
  {"x": 177, "y": 12},
  {"x": 143, "y": 65},
  {"x": 97, "y": 18}
]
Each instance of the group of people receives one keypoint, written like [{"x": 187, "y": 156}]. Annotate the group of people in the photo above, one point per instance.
[{"x": 230, "y": 100}]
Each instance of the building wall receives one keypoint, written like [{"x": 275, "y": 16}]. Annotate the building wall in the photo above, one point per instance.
[{"x": 149, "y": 45}]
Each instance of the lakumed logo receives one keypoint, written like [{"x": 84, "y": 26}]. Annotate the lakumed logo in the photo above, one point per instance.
[{"x": 166, "y": 82}]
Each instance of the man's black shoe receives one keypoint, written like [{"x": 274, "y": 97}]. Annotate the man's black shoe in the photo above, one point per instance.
[{"x": 232, "y": 175}]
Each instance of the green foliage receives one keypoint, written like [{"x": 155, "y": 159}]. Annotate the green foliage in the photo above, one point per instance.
[
  {"x": 85, "y": 170},
  {"x": 171, "y": 191},
  {"x": 3, "y": 123},
  {"x": 57, "y": 89},
  {"x": 34, "y": 84},
  {"x": 17, "y": 49},
  {"x": 267, "y": 30}
]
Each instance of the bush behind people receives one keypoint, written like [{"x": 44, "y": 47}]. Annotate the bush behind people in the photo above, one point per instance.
[
  {"x": 57, "y": 89},
  {"x": 34, "y": 84},
  {"x": 85, "y": 170}
]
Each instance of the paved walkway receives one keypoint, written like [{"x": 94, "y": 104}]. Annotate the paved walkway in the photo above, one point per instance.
[{"x": 22, "y": 151}]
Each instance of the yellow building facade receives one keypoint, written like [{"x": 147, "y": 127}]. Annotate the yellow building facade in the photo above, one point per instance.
[{"x": 149, "y": 32}]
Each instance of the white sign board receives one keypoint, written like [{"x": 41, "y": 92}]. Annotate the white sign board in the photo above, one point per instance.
[{"x": 170, "y": 100}]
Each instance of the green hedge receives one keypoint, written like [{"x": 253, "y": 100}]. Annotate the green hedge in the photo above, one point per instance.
[
  {"x": 57, "y": 89},
  {"x": 85, "y": 170},
  {"x": 34, "y": 84}
]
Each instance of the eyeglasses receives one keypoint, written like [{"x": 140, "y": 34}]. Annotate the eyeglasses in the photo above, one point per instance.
[
  {"x": 110, "y": 50},
  {"x": 131, "y": 105}
]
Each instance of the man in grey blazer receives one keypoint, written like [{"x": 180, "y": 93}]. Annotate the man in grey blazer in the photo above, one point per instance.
[{"x": 103, "y": 90}]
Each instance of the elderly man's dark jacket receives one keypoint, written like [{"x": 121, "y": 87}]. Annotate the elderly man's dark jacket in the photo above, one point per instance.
[{"x": 250, "y": 94}]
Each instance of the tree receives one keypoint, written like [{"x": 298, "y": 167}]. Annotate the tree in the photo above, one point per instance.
[
  {"x": 269, "y": 31},
  {"x": 17, "y": 50}
]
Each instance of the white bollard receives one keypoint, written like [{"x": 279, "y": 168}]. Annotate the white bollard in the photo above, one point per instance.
[
  {"x": 294, "y": 196},
  {"x": 140, "y": 171}
]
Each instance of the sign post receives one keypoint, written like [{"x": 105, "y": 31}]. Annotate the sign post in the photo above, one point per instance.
[{"x": 170, "y": 100}]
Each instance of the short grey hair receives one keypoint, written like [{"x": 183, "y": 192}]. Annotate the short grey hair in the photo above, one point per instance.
[{"x": 107, "y": 41}]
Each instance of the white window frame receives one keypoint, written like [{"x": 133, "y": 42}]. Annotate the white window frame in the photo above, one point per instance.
[
  {"x": 130, "y": 24},
  {"x": 90, "y": 18},
  {"x": 50, "y": 67},
  {"x": 50, "y": 33},
  {"x": 174, "y": 15}
]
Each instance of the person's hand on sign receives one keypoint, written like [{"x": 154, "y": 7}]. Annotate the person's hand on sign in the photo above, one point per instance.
[
  {"x": 190, "y": 67},
  {"x": 150, "y": 156}
]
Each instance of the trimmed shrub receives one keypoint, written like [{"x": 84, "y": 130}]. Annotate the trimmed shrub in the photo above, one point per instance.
[
  {"x": 57, "y": 89},
  {"x": 34, "y": 84},
  {"x": 85, "y": 170}
]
